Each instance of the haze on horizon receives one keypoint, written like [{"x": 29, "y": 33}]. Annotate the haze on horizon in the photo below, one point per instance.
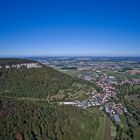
[{"x": 69, "y": 28}]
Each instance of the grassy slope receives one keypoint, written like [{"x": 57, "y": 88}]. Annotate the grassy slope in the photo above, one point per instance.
[{"x": 100, "y": 133}]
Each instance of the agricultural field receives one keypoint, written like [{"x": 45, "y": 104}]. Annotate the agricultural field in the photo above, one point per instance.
[{"x": 121, "y": 75}]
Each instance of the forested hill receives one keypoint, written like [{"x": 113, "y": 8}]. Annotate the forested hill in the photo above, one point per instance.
[
  {"x": 28, "y": 117},
  {"x": 41, "y": 82},
  {"x": 24, "y": 120}
]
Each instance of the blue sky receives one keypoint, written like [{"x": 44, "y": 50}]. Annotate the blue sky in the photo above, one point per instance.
[{"x": 69, "y": 27}]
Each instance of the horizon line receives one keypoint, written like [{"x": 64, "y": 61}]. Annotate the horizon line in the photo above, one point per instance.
[{"x": 28, "y": 56}]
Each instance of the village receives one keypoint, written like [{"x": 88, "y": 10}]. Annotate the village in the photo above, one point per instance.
[{"x": 106, "y": 100}]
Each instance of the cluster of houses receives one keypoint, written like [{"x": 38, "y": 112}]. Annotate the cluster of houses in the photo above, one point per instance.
[
  {"x": 27, "y": 65},
  {"x": 117, "y": 108},
  {"x": 104, "y": 99},
  {"x": 131, "y": 81},
  {"x": 134, "y": 71},
  {"x": 109, "y": 92},
  {"x": 85, "y": 77}
]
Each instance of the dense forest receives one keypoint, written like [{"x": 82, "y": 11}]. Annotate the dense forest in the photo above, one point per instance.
[{"x": 24, "y": 120}]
